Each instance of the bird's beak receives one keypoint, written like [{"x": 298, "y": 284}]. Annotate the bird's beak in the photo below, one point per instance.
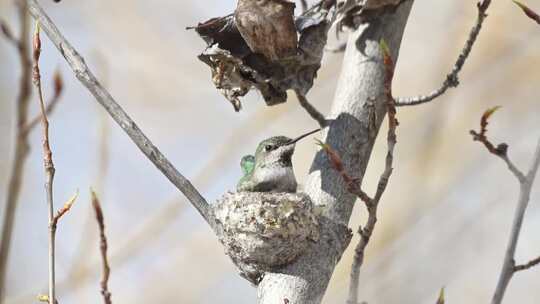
[{"x": 295, "y": 140}]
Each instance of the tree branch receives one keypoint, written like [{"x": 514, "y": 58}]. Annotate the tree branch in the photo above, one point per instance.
[
  {"x": 525, "y": 186},
  {"x": 373, "y": 204},
  {"x": 528, "y": 265},
  {"x": 21, "y": 150},
  {"x": 452, "y": 79},
  {"x": 359, "y": 107},
  {"x": 312, "y": 111},
  {"x": 48, "y": 164},
  {"x": 354, "y": 185},
  {"x": 87, "y": 78},
  {"x": 106, "y": 269}
]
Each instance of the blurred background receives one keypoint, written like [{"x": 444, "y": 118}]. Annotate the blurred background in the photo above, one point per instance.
[{"x": 444, "y": 219}]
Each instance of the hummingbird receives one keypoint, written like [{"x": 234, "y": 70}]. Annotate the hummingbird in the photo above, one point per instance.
[
  {"x": 270, "y": 170},
  {"x": 268, "y": 27}
]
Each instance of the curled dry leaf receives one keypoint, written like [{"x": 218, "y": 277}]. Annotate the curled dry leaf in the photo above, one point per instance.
[
  {"x": 529, "y": 12},
  {"x": 237, "y": 69}
]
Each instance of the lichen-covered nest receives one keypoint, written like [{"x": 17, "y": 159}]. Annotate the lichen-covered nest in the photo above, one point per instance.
[{"x": 262, "y": 231}]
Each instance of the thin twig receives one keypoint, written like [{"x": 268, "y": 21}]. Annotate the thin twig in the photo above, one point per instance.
[
  {"x": 312, "y": 111},
  {"x": 525, "y": 186},
  {"x": 528, "y": 265},
  {"x": 87, "y": 78},
  {"x": 354, "y": 186},
  {"x": 501, "y": 150},
  {"x": 528, "y": 11},
  {"x": 21, "y": 150},
  {"x": 372, "y": 204},
  {"x": 106, "y": 270},
  {"x": 47, "y": 163},
  {"x": 452, "y": 79},
  {"x": 58, "y": 87}
]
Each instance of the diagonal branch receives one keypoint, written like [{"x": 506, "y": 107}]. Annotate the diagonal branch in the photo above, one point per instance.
[
  {"x": 312, "y": 111},
  {"x": 509, "y": 267},
  {"x": 528, "y": 265},
  {"x": 87, "y": 78},
  {"x": 452, "y": 79}
]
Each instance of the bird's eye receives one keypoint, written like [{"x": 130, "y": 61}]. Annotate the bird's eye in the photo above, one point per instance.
[{"x": 268, "y": 148}]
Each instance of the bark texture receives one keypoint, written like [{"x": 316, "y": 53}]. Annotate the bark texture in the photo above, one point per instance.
[{"x": 358, "y": 110}]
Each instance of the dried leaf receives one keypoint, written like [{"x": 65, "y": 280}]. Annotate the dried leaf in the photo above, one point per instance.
[
  {"x": 236, "y": 69},
  {"x": 529, "y": 12}
]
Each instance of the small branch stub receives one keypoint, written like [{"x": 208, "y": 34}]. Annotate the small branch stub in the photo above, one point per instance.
[{"x": 263, "y": 231}]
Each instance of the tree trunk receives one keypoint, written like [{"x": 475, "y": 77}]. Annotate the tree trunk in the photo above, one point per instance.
[{"x": 358, "y": 110}]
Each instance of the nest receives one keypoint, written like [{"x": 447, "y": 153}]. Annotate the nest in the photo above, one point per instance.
[{"x": 263, "y": 231}]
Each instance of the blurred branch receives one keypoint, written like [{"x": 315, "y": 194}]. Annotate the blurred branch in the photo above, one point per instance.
[
  {"x": 525, "y": 186},
  {"x": 312, "y": 111},
  {"x": 21, "y": 150},
  {"x": 528, "y": 11},
  {"x": 87, "y": 78},
  {"x": 452, "y": 79},
  {"x": 106, "y": 270}
]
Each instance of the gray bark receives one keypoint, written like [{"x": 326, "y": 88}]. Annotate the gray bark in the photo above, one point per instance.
[{"x": 358, "y": 111}]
